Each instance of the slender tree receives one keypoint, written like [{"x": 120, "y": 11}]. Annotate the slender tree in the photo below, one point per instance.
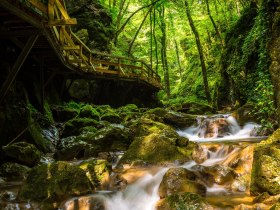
[
  {"x": 163, "y": 51},
  {"x": 200, "y": 51},
  {"x": 213, "y": 23},
  {"x": 139, "y": 29},
  {"x": 128, "y": 19}
]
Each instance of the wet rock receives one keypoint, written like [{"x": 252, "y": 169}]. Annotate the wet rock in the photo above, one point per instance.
[
  {"x": 23, "y": 153},
  {"x": 183, "y": 201},
  {"x": 98, "y": 171},
  {"x": 265, "y": 175},
  {"x": 251, "y": 207},
  {"x": 85, "y": 202},
  {"x": 217, "y": 127},
  {"x": 199, "y": 155},
  {"x": 55, "y": 182},
  {"x": 111, "y": 117},
  {"x": 14, "y": 171},
  {"x": 179, "y": 180},
  {"x": 218, "y": 174},
  {"x": 275, "y": 206},
  {"x": 70, "y": 148},
  {"x": 107, "y": 139},
  {"x": 73, "y": 127},
  {"x": 241, "y": 184},
  {"x": 156, "y": 143},
  {"x": 221, "y": 174}
]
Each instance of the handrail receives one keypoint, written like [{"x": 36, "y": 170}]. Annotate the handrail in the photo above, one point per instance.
[{"x": 78, "y": 55}]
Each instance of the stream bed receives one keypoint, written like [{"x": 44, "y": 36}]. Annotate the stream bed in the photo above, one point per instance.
[{"x": 221, "y": 167}]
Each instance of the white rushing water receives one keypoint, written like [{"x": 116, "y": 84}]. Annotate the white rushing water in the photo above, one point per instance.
[
  {"x": 196, "y": 133},
  {"x": 143, "y": 193}
]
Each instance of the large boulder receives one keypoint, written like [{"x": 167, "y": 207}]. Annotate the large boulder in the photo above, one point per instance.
[
  {"x": 55, "y": 182},
  {"x": 183, "y": 201},
  {"x": 110, "y": 138},
  {"x": 63, "y": 113},
  {"x": 14, "y": 171},
  {"x": 88, "y": 111},
  {"x": 178, "y": 180},
  {"x": 23, "y": 153},
  {"x": 98, "y": 171},
  {"x": 156, "y": 143},
  {"x": 265, "y": 175},
  {"x": 176, "y": 119},
  {"x": 244, "y": 114},
  {"x": 76, "y": 125},
  {"x": 70, "y": 148}
]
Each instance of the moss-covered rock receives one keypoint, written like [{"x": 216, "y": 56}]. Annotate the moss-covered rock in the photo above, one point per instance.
[
  {"x": 88, "y": 111},
  {"x": 265, "y": 175},
  {"x": 178, "y": 180},
  {"x": 98, "y": 171},
  {"x": 193, "y": 108},
  {"x": 70, "y": 148},
  {"x": 156, "y": 143},
  {"x": 110, "y": 138},
  {"x": 111, "y": 117},
  {"x": 23, "y": 152},
  {"x": 183, "y": 201},
  {"x": 244, "y": 114},
  {"x": 275, "y": 206},
  {"x": 14, "y": 171},
  {"x": 55, "y": 182},
  {"x": 74, "y": 126},
  {"x": 63, "y": 113}
]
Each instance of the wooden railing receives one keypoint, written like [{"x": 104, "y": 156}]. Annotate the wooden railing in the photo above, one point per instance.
[{"x": 77, "y": 55}]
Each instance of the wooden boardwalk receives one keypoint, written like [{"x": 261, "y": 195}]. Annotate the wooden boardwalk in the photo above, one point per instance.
[{"x": 34, "y": 19}]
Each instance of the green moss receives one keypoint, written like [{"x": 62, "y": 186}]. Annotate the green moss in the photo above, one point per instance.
[
  {"x": 88, "y": 111},
  {"x": 14, "y": 171},
  {"x": 73, "y": 126},
  {"x": 98, "y": 171},
  {"x": 23, "y": 152},
  {"x": 155, "y": 143},
  {"x": 265, "y": 175},
  {"x": 55, "y": 182},
  {"x": 183, "y": 201}
]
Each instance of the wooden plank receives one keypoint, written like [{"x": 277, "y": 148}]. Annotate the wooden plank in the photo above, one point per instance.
[
  {"x": 61, "y": 22},
  {"x": 103, "y": 70},
  {"x": 39, "y": 5},
  {"x": 62, "y": 9},
  {"x": 77, "y": 47},
  {"x": 51, "y": 9},
  {"x": 18, "y": 64}
]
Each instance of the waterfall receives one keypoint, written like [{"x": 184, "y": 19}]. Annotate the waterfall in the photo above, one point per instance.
[{"x": 218, "y": 127}]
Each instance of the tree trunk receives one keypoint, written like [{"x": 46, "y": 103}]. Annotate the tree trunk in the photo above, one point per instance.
[
  {"x": 163, "y": 53},
  {"x": 139, "y": 29},
  {"x": 128, "y": 19},
  {"x": 155, "y": 39},
  {"x": 213, "y": 23},
  {"x": 200, "y": 51}
]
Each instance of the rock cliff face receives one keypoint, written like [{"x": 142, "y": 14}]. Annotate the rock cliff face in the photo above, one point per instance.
[
  {"x": 94, "y": 23},
  {"x": 274, "y": 50}
]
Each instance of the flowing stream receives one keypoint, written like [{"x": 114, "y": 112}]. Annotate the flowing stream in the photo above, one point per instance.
[{"x": 225, "y": 152}]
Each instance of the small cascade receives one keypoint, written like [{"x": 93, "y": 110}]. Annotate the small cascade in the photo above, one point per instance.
[
  {"x": 219, "y": 127},
  {"x": 141, "y": 195}
]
